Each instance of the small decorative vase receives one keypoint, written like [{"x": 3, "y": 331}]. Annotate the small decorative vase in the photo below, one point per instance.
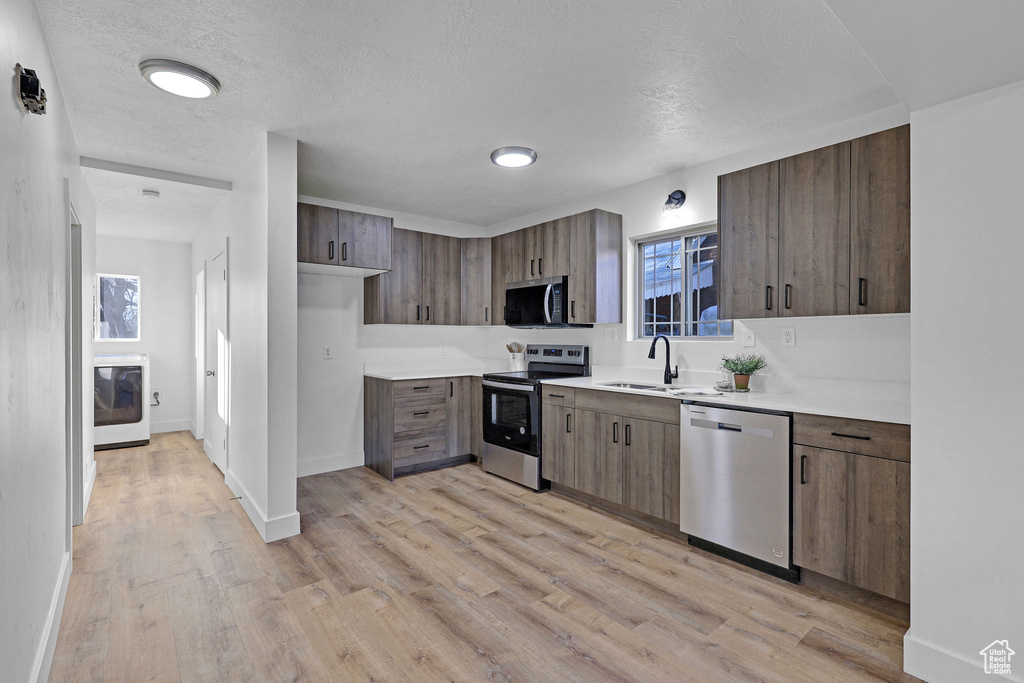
[
  {"x": 742, "y": 382},
  {"x": 514, "y": 362}
]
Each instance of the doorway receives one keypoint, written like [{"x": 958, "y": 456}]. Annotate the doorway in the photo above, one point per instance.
[
  {"x": 199, "y": 302},
  {"x": 217, "y": 361},
  {"x": 75, "y": 384}
]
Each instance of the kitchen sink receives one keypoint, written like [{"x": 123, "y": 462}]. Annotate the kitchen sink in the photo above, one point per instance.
[{"x": 630, "y": 385}]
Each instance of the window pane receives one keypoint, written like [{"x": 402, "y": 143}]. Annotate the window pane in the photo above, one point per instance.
[{"x": 118, "y": 307}]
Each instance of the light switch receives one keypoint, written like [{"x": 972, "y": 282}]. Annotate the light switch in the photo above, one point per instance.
[
  {"x": 788, "y": 336},
  {"x": 328, "y": 354}
]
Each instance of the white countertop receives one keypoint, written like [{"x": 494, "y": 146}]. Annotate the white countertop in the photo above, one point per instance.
[
  {"x": 858, "y": 408},
  {"x": 399, "y": 375}
]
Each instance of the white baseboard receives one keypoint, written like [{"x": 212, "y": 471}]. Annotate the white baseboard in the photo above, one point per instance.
[
  {"x": 44, "y": 655},
  {"x": 932, "y": 663},
  {"x": 90, "y": 481},
  {"x": 270, "y": 530},
  {"x": 168, "y": 426},
  {"x": 330, "y": 463}
]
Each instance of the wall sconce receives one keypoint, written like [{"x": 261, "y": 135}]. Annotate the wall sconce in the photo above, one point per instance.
[{"x": 675, "y": 200}]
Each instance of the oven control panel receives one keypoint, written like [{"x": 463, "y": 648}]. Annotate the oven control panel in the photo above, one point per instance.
[{"x": 558, "y": 353}]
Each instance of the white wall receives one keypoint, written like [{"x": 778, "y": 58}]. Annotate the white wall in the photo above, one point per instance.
[
  {"x": 862, "y": 355},
  {"x": 38, "y": 153},
  {"x": 258, "y": 222},
  {"x": 967, "y": 473},
  {"x": 165, "y": 317}
]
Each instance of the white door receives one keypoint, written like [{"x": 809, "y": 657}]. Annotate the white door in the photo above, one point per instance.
[{"x": 218, "y": 350}]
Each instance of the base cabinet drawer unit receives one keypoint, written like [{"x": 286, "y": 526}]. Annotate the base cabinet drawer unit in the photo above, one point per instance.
[
  {"x": 619, "y": 448},
  {"x": 851, "y": 502},
  {"x": 417, "y": 425}
]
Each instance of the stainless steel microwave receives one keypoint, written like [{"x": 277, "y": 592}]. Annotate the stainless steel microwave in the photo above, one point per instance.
[{"x": 538, "y": 303}]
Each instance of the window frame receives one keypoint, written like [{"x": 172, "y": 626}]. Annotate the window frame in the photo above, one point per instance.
[
  {"x": 639, "y": 243},
  {"x": 97, "y": 289}
]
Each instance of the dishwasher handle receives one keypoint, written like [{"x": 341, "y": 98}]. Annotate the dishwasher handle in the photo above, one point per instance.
[{"x": 746, "y": 430}]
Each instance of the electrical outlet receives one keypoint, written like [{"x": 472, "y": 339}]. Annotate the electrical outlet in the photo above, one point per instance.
[
  {"x": 157, "y": 394},
  {"x": 748, "y": 338},
  {"x": 444, "y": 350},
  {"x": 328, "y": 354},
  {"x": 611, "y": 333},
  {"x": 788, "y": 336}
]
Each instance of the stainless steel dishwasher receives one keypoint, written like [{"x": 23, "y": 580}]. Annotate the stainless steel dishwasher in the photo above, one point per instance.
[{"x": 734, "y": 485}]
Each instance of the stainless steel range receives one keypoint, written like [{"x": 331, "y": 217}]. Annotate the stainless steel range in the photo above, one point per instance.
[{"x": 512, "y": 409}]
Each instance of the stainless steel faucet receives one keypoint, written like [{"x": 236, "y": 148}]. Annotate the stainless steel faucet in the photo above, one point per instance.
[{"x": 669, "y": 375}]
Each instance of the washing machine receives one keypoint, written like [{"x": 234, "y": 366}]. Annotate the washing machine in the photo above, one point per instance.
[{"x": 121, "y": 395}]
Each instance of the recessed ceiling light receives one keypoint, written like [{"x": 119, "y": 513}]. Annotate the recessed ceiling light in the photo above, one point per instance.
[
  {"x": 513, "y": 157},
  {"x": 151, "y": 194},
  {"x": 180, "y": 79}
]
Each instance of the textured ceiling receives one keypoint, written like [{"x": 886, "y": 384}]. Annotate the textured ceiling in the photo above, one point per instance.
[
  {"x": 397, "y": 104},
  {"x": 933, "y": 51},
  {"x": 121, "y": 209}
]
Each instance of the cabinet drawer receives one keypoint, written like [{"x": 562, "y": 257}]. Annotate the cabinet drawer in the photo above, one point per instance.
[
  {"x": 880, "y": 439},
  {"x": 629, "y": 405},
  {"x": 558, "y": 396},
  {"x": 435, "y": 386},
  {"x": 414, "y": 413},
  {"x": 424, "y": 445}
]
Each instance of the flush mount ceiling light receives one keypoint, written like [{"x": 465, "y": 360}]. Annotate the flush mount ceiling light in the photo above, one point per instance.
[
  {"x": 180, "y": 79},
  {"x": 513, "y": 157},
  {"x": 151, "y": 194}
]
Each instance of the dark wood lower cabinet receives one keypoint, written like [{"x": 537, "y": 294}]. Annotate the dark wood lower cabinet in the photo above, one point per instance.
[
  {"x": 599, "y": 455},
  {"x": 558, "y": 463},
  {"x": 851, "y": 516},
  {"x": 625, "y": 460},
  {"x": 412, "y": 426},
  {"x": 650, "y": 468}
]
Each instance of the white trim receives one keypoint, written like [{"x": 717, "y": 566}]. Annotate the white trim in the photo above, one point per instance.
[
  {"x": 90, "y": 481},
  {"x": 270, "y": 530},
  {"x": 44, "y": 654},
  {"x": 168, "y": 426},
  {"x": 930, "y": 662},
  {"x": 330, "y": 463}
]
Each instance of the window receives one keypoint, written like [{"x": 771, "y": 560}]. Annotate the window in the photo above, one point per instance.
[
  {"x": 678, "y": 295},
  {"x": 116, "y": 316}
]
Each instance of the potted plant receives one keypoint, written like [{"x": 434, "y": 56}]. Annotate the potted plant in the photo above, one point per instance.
[{"x": 742, "y": 367}]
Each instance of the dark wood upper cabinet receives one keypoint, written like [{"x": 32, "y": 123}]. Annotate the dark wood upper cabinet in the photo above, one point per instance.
[
  {"x": 826, "y": 232},
  {"x": 441, "y": 269},
  {"x": 318, "y": 234},
  {"x": 477, "y": 308},
  {"x": 507, "y": 265},
  {"x": 394, "y": 297},
  {"x": 364, "y": 240},
  {"x": 880, "y": 223},
  {"x": 814, "y": 232},
  {"x": 595, "y": 267},
  {"x": 343, "y": 238},
  {"x": 547, "y": 249},
  {"x": 748, "y": 238}
]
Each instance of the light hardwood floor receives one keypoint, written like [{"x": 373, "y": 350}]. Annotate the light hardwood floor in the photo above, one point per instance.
[{"x": 450, "y": 575}]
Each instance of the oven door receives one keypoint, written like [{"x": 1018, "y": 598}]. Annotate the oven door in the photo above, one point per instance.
[{"x": 512, "y": 416}]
